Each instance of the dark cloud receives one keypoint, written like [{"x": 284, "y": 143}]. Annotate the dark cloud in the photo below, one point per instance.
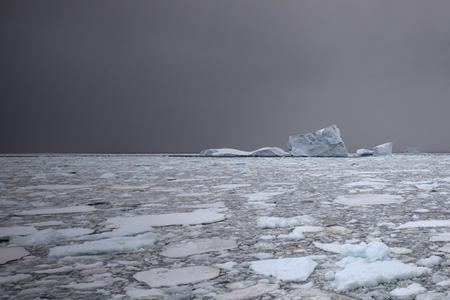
[{"x": 179, "y": 76}]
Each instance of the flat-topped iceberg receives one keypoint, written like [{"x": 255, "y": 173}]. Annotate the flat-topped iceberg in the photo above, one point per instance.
[{"x": 229, "y": 152}]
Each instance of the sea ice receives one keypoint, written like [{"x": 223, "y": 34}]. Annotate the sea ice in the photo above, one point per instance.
[
  {"x": 198, "y": 246},
  {"x": 12, "y": 253},
  {"x": 252, "y": 291},
  {"x": 200, "y": 216},
  {"x": 49, "y": 235},
  {"x": 408, "y": 292},
  {"x": 441, "y": 237},
  {"x": 141, "y": 294},
  {"x": 330, "y": 247},
  {"x": 125, "y": 230},
  {"x": 276, "y": 222},
  {"x": 61, "y": 210},
  {"x": 46, "y": 223},
  {"x": 14, "y": 278},
  {"x": 431, "y": 261},
  {"x": 286, "y": 269},
  {"x": 54, "y": 187},
  {"x": 445, "y": 248},
  {"x": 367, "y": 265},
  {"x": 115, "y": 244},
  {"x": 425, "y": 223},
  {"x": 369, "y": 199},
  {"x": 16, "y": 231},
  {"x": 297, "y": 233},
  {"x": 361, "y": 273},
  {"x": 161, "y": 277}
]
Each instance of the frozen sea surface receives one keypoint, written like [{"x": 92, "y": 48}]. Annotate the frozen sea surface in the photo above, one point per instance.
[{"x": 140, "y": 226}]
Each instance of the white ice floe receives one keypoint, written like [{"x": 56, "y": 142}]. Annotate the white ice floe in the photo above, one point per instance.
[
  {"x": 361, "y": 273},
  {"x": 125, "y": 230},
  {"x": 129, "y": 187},
  {"x": 408, "y": 292},
  {"x": 367, "y": 265},
  {"x": 252, "y": 291},
  {"x": 297, "y": 233},
  {"x": 115, "y": 244},
  {"x": 46, "y": 223},
  {"x": 263, "y": 196},
  {"x": 231, "y": 186},
  {"x": 227, "y": 266},
  {"x": 276, "y": 222},
  {"x": 431, "y": 261},
  {"x": 441, "y": 237},
  {"x": 14, "y": 278},
  {"x": 61, "y": 210},
  {"x": 161, "y": 277},
  {"x": 433, "y": 296},
  {"x": 67, "y": 269},
  {"x": 425, "y": 223},
  {"x": 54, "y": 187},
  {"x": 193, "y": 247},
  {"x": 292, "y": 236},
  {"x": 400, "y": 250},
  {"x": 16, "y": 231},
  {"x": 445, "y": 248},
  {"x": 200, "y": 216},
  {"x": 330, "y": 247},
  {"x": 49, "y": 235},
  {"x": 427, "y": 185},
  {"x": 286, "y": 269},
  {"x": 12, "y": 253},
  {"x": 369, "y": 199},
  {"x": 107, "y": 175},
  {"x": 92, "y": 285},
  {"x": 141, "y": 294}
]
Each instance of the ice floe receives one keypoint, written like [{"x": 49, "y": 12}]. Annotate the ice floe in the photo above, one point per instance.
[
  {"x": 61, "y": 210},
  {"x": 425, "y": 224},
  {"x": 8, "y": 254},
  {"x": 125, "y": 230},
  {"x": 54, "y": 187},
  {"x": 49, "y": 235},
  {"x": 16, "y": 231},
  {"x": 141, "y": 294},
  {"x": 193, "y": 247},
  {"x": 431, "y": 261},
  {"x": 14, "y": 278},
  {"x": 408, "y": 292},
  {"x": 369, "y": 199},
  {"x": 252, "y": 291},
  {"x": 46, "y": 223},
  {"x": 161, "y": 277},
  {"x": 277, "y": 222},
  {"x": 200, "y": 216},
  {"x": 367, "y": 265},
  {"x": 441, "y": 237},
  {"x": 110, "y": 245},
  {"x": 286, "y": 269}
]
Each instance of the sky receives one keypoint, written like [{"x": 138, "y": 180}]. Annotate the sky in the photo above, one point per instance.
[{"x": 180, "y": 76}]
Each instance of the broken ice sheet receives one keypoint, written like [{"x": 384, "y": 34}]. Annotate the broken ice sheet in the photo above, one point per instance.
[
  {"x": 61, "y": 210},
  {"x": 200, "y": 216},
  {"x": 161, "y": 277},
  {"x": 192, "y": 247},
  {"x": 369, "y": 199},
  {"x": 286, "y": 269}
]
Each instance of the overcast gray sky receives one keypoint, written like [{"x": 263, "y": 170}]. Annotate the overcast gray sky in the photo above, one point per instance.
[{"x": 183, "y": 75}]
